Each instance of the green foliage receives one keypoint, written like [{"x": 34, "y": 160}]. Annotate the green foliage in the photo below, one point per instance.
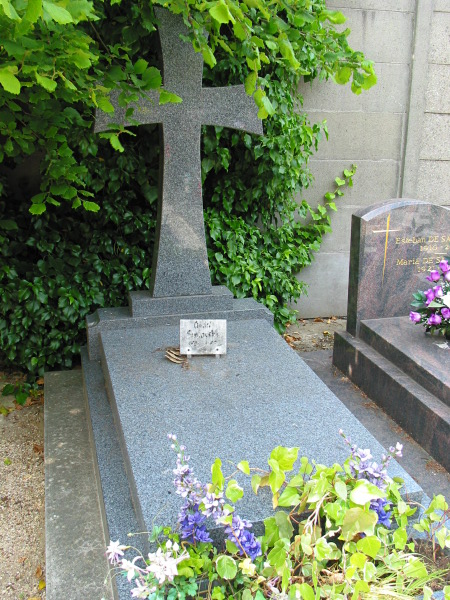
[
  {"x": 57, "y": 268},
  {"x": 332, "y": 543}
]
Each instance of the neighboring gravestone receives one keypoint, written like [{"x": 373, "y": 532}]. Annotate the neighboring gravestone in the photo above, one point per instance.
[
  {"x": 238, "y": 407},
  {"x": 393, "y": 247}
]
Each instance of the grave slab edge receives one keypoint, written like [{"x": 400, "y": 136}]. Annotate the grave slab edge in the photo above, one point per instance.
[
  {"x": 405, "y": 360},
  {"x": 419, "y": 413}
]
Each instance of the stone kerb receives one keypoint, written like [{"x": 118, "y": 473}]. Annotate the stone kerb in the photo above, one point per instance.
[{"x": 393, "y": 247}]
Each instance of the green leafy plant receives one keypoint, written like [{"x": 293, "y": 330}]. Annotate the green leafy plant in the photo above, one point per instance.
[
  {"x": 330, "y": 536},
  {"x": 20, "y": 391},
  {"x": 433, "y": 523}
]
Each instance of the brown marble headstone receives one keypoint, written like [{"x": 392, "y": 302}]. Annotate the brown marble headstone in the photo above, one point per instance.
[{"x": 393, "y": 246}]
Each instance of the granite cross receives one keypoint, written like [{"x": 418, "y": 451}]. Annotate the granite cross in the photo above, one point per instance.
[{"x": 180, "y": 260}]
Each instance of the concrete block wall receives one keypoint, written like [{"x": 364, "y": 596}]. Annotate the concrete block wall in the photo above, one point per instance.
[{"x": 397, "y": 133}]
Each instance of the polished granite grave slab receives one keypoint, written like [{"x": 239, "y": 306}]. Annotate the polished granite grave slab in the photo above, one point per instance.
[{"x": 240, "y": 406}]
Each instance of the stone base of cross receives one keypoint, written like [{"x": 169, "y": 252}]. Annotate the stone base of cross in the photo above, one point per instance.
[{"x": 180, "y": 259}]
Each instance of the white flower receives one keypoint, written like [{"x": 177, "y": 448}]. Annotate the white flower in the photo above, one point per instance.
[
  {"x": 141, "y": 590},
  {"x": 446, "y": 300},
  {"x": 114, "y": 551},
  {"x": 130, "y": 568},
  {"x": 163, "y": 565}
]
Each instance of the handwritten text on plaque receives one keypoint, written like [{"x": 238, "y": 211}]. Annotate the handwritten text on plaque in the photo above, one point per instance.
[{"x": 203, "y": 336}]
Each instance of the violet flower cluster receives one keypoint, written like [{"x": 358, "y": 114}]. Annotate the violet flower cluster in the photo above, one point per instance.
[
  {"x": 200, "y": 504},
  {"x": 363, "y": 467},
  {"x": 434, "y": 303},
  {"x": 191, "y": 520}
]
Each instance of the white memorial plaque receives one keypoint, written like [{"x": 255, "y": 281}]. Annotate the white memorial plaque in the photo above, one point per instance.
[{"x": 203, "y": 336}]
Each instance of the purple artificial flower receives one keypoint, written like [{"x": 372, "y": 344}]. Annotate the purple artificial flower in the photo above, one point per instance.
[
  {"x": 447, "y": 276},
  {"x": 433, "y": 276},
  {"x": 444, "y": 266},
  {"x": 415, "y": 317},
  {"x": 430, "y": 295},
  {"x": 434, "y": 319},
  {"x": 438, "y": 292},
  {"x": 445, "y": 312}
]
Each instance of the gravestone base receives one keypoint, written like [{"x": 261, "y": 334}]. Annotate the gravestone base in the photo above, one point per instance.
[
  {"x": 403, "y": 371},
  {"x": 237, "y": 407}
]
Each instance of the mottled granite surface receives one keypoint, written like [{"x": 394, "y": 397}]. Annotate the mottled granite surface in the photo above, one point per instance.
[{"x": 260, "y": 395}]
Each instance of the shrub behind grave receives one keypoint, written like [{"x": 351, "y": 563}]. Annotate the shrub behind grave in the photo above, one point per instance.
[{"x": 58, "y": 267}]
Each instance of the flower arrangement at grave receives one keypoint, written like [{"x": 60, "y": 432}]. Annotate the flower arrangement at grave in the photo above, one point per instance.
[
  {"x": 336, "y": 532},
  {"x": 432, "y": 307}
]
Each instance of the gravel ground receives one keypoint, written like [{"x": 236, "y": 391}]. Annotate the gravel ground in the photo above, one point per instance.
[{"x": 22, "y": 543}]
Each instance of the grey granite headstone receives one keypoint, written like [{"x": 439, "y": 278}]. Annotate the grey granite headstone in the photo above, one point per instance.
[
  {"x": 393, "y": 246},
  {"x": 180, "y": 260}
]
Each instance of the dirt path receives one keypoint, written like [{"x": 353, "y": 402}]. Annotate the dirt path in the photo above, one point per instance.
[{"x": 22, "y": 544}]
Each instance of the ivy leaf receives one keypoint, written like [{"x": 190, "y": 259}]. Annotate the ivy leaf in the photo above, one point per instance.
[
  {"x": 400, "y": 538},
  {"x": 256, "y": 480},
  {"x": 165, "y": 97},
  {"x": 91, "y": 206},
  {"x": 277, "y": 556},
  {"x": 244, "y": 467},
  {"x": 216, "y": 473},
  {"x": 8, "y": 225},
  {"x": 105, "y": 105},
  {"x": 9, "y": 82},
  {"x": 276, "y": 477},
  {"x": 234, "y": 491},
  {"x": 37, "y": 209},
  {"x": 250, "y": 83},
  {"x": 34, "y": 10},
  {"x": 226, "y": 567},
  {"x": 364, "y": 492},
  {"x": 369, "y": 545},
  {"x": 284, "y": 524},
  {"x": 285, "y": 457},
  {"x": 239, "y": 31},
  {"x": 357, "y": 520},
  {"x": 152, "y": 78},
  {"x": 57, "y": 13},
  {"x": 47, "y": 83},
  {"x": 208, "y": 56},
  {"x": 140, "y": 66},
  {"x": 221, "y": 13},
  {"x": 341, "y": 489},
  {"x": 9, "y": 10},
  {"x": 287, "y": 51},
  {"x": 115, "y": 142},
  {"x": 306, "y": 591},
  {"x": 290, "y": 497}
]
